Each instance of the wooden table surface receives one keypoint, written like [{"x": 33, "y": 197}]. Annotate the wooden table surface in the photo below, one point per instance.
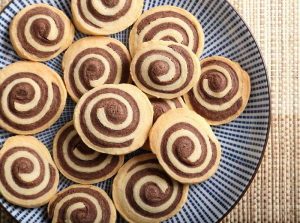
[{"x": 274, "y": 195}]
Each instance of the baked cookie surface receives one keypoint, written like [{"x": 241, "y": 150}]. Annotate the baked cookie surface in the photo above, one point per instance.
[
  {"x": 32, "y": 97},
  {"x": 28, "y": 175},
  {"x": 40, "y": 32},
  {"x": 185, "y": 146}
]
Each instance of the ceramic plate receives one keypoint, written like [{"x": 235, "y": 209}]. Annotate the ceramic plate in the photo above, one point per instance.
[{"x": 243, "y": 140}]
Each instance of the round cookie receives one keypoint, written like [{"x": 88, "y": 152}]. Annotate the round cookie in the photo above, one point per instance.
[
  {"x": 167, "y": 23},
  {"x": 78, "y": 162},
  {"x": 28, "y": 176},
  {"x": 114, "y": 118},
  {"x": 94, "y": 61},
  {"x": 105, "y": 17},
  {"x": 185, "y": 146},
  {"x": 82, "y": 204},
  {"x": 32, "y": 97},
  {"x": 40, "y": 32},
  {"x": 165, "y": 69},
  {"x": 160, "y": 106},
  {"x": 222, "y": 92},
  {"x": 144, "y": 193}
]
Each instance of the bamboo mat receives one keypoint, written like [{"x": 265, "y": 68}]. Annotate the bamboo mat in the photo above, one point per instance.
[{"x": 274, "y": 195}]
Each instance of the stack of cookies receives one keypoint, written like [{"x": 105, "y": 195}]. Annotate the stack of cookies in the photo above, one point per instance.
[{"x": 156, "y": 96}]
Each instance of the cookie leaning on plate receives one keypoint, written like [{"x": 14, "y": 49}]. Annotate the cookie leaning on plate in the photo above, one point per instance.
[
  {"x": 105, "y": 17},
  {"x": 93, "y": 61},
  {"x": 167, "y": 23},
  {"x": 222, "y": 92},
  {"x": 78, "y": 162},
  {"x": 40, "y": 32},
  {"x": 185, "y": 146},
  {"x": 165, "y": 69},
  {"x": 114, "y": 118},
  {"x": 144, "y": 193},
  {"x": 32, "y": 97},
  {"x": 28, "y": 176},
  {"x": 81, "y": 204}
]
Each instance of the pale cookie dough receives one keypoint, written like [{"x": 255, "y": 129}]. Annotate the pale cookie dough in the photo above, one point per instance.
[
  {"x": 167, "y": 23},
  {"x": 105, "y": 17},
  {"x": 32, "y": 97},
  {"x": 82, "y": 204},
  {"x": 28, "y": 176},
  {"x": 222, "y": 92},
  {"x": 78, "y": 162},
  {"x": 40, "y": 32},
  {"x": 185, "y": 146},
  {"x": 144, "y": 193},
  {"x": 93, "y": 61},
  {"x": 114, "y": 118},
  {"x": 165, "y": 69}
]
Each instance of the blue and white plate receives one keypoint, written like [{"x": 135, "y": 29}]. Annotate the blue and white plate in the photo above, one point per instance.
[{"x": 243, "y": 140}]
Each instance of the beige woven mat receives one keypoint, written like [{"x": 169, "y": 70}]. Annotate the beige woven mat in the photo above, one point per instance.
[{"x": 274, "y": 195}]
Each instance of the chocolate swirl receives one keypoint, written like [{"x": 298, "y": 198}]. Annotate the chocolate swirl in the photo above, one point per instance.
[
  {"x": 185, "y": 146},
  {"x": 97, "y": 61},
  {"x": 42, "y": 31},
  {"x": 27, "y": 175},
  {"x": 79, "y": 203},
  {"x": 80, "y": 163},
  {"x": 99, "y": 17},
  {"x": 147, "y": 192},
  {"x": 161, "y": 106},
  {"x": 29, "y": 101},
  {"x": 219, "y": 93},
  {"x": 109, "y": 118},
  {"x": 164, "y": 69},
  {"x": 169, "y": 24}
]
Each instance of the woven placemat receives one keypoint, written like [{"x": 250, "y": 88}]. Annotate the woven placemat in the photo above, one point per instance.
[{"x": 274, "y": 195}]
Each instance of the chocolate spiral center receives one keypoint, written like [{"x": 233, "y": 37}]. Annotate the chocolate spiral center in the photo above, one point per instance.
[
  {"x": 22, "y": 93},
  {"x": 110, "y": 3},
  {"x": 91, "y": 69},
  {"x": 184, "y": 147}
]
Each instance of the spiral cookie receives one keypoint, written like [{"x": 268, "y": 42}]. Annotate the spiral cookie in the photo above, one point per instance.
[
  {"x": 40, "y": 32},
  {"x": 28, "y": 176},
  {"x": 222, "y": 92},
  {"x": 32, "y": 97},
  {"x": 82, "y": 204},
  {"x": 114, "y": 118},
  {"x": 105, "y": 17},
  {"x": 185, "y": 146},
  {"x": 167, "y": 23},
  {"x": 93, "y": 61},
  {"x": 165, "y": 69},
  {"x": 79, "y": 163},
  {"x": 144, "y": 193}
]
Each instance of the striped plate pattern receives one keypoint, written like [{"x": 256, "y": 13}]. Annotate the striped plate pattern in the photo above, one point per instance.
[{"x": 243, "y": 140}]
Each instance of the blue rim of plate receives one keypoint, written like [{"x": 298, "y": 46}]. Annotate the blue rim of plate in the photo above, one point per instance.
[{"x": 268, "y": 125}]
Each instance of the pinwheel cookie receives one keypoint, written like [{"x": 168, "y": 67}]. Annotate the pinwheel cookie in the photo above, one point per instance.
[
  {"x": 165, "y": 69},
  {"x": 78, "y": 162},
  {"x": 82, "y": 204},
  {"x": 114, "y": 118},
  {"x": 167, "y": 23},
  {"x": 93, "y": 61},
  {"x": 185, "y": 146},
  {"x": 32, "y": 97},
  {"x": 28, "y": 176},
  {"x": 105, "y": 17},
  {"x": 222, "y": 92},
  {"x": 144, "y": 193},
  {"x": 40, "y": 32}
]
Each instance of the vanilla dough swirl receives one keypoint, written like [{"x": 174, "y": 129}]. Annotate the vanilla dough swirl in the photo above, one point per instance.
[
  {"x": 78, "y": 162},
  {"x": 185, "y": 146},
  {"x": 28, "y": 176},
  {"x": 32, "y": 97},
  {"x": 82, "y": 204},
  {"x": 143, "y": 192},
  {"x": 40, "y": 32}
]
